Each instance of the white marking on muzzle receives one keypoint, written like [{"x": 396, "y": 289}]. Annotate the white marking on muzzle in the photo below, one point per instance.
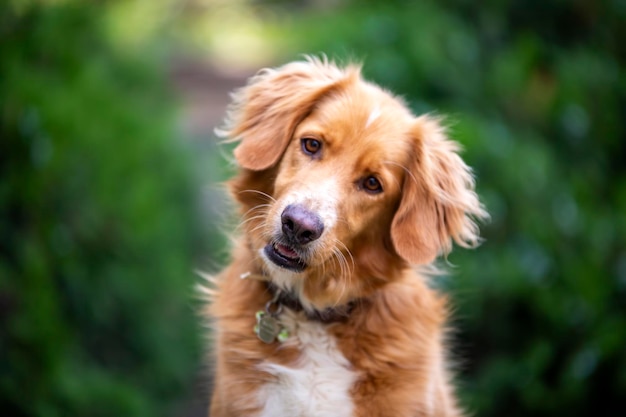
[{"x": 320, "y": 198}]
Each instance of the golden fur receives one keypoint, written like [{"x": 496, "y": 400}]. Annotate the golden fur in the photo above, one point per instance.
[{"x": 394, "y": 336}]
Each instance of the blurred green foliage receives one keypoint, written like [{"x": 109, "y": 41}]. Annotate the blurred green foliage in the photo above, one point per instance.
[
  {"x": 536, "y": 92},
  {"x": 97, "y": 225}
]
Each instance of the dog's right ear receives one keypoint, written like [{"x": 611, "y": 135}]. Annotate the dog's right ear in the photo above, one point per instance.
[{"x": 264, "y": 114}]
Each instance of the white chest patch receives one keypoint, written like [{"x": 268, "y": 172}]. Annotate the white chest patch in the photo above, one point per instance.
[{"x": 318, "y": 384}]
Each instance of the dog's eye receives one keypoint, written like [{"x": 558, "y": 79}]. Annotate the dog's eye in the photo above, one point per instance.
[
  {"x": 372, "y": 185},
  {"x": 311, "y": 146}
]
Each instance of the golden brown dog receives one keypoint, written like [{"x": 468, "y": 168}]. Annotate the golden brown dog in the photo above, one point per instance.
[{"x": 342, "y": 192}]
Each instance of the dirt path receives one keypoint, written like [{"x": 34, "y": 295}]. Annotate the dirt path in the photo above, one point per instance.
[{"x": 204, "y": 90}]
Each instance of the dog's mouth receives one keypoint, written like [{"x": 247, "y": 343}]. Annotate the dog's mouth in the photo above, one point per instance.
[{"x": 285, "y": 257}]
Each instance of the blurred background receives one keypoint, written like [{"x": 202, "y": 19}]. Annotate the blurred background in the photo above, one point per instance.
[{"x": 108, "y": 196}]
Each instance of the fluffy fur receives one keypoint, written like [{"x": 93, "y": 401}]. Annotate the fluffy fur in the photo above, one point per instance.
[{"x": 388, "y": 192}]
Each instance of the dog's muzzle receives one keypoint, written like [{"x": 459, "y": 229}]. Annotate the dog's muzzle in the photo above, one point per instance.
[{"x": 299, "y": 227}]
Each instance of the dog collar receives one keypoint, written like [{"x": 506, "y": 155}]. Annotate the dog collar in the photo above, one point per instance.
[
  {"x": 269, "y": 329},
  {"x": 328, "y": 315}
]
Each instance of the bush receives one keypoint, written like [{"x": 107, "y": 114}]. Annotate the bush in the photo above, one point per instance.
[
  {"x": 536, "y": 92},
  {"x": 96, "y": 221}
]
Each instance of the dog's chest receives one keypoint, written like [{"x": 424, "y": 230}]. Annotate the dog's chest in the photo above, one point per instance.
[{"x": 318, "y": 384}]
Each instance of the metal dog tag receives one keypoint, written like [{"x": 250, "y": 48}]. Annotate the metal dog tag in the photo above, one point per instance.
[{"x": 267, "y": 328}]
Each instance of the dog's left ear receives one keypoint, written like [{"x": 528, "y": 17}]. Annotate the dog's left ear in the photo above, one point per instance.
[
  {"x": 265, "y": 113},
  {"x": 438, "y": 203}
]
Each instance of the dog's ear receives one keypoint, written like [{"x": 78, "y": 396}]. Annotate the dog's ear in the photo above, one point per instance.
[
  {"x": 438, "y": 202},
  {"x": 265, "y": 113}
]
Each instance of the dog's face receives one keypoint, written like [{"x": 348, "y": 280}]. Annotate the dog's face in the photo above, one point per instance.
[
  {"x": 342, "y": 187},
  {"x": 339, "y": 178}
]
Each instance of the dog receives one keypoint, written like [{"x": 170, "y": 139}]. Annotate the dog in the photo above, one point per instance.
[{"x": 345, "y": 196}]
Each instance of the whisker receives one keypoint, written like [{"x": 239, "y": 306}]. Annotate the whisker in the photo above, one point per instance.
[
  {"x": 334, "y": 257},
  {"x": 258, "y": 227},
  {"x": 347, "y": 251},
  {"x": 257, "y": 207},
  {"x": 251, "y": 219},
  {"x": 269, "y": 197},
  {"x": 256, "y": 217},
  {"x": 346, "y": 276},
  {"x": 346, "y": 270},
  {"x": 261, "y": 210},
  {"x": 343, "y": 264}
]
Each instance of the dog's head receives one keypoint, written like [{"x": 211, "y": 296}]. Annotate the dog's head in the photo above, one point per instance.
[{"x": 341, "y": 186}]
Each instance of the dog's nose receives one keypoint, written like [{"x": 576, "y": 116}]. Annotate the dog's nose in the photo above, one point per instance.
[{"x": 300, "y": 225}]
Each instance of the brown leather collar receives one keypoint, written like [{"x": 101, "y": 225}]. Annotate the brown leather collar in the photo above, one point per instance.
[{"x": 326, "y": 316}]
